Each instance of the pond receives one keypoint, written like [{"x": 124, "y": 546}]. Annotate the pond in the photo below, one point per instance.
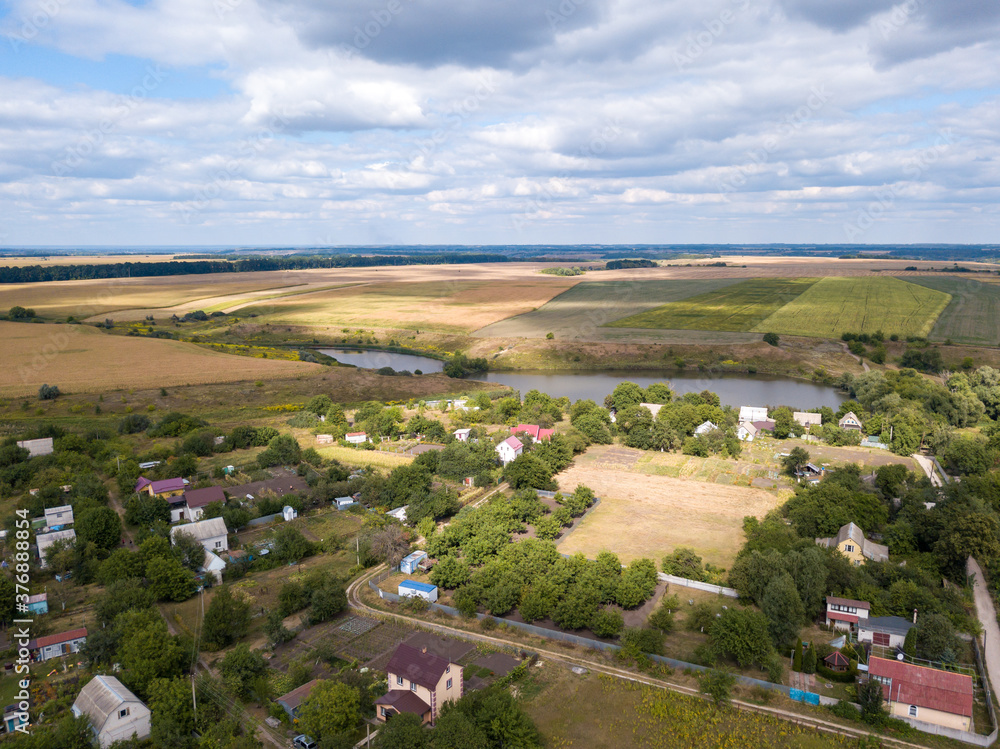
[{"x": 733, "y": 389}]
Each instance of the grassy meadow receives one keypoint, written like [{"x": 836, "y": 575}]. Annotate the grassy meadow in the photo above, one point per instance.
[
  {"x": 738, "y": 307},
  {"x": 971, "y": 315},
  {"x": 861, "y": 304}
]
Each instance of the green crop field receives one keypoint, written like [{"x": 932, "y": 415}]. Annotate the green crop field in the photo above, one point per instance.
[
  {"x": 972, "y": 314},
  {"x": 581, "y": 310},
  {"x": 859, "y": 304},
  {"x": 738, "y": 307}
]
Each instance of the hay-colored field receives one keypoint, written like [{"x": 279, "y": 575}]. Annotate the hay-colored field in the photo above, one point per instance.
[
  {"x": 78, "y": 358},
  {"x": 972, "y": 314},
  {"x": 99, "y": 297},
  {"x": 454, "y": 306},
  {"x": 582, "y": 311},
  {"x": 650, "y": 516},
  {"x": 860, "y": 305},
  {"x": 735, "y": 308},
  {"x": 50, "y": 260},
  {"x": 354, "y": 457}
]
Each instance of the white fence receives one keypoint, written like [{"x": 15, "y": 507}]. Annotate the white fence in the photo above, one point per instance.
[{"x": 697, "y": 585}]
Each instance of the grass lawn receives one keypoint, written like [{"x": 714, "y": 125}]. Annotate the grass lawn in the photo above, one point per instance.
[
  {"x": 971, "y": 315},
  {"x": 859, "y": 304},
  {"x": 602, "y": 712},
  {"x": 738, "y": 307},
  {"x": 354, "y": 457}
]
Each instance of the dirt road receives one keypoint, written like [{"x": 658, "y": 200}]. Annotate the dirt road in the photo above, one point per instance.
[{"x": 988, "y": 618}]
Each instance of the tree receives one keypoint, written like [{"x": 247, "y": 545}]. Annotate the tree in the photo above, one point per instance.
[
  {"x": 172, "y": 717},
  {"x": 870, "y": 698},
  {"x": 456, "y": 730},
  {"x": 793, "y": 462},
  {"x": 319, "y": 404},
  {"x": 146, "y": 650},
  {"x": 936, "y": 639},
  {"x": 684, "y": 562},
  {"x": 188, "y": 550},
  {"x": 741, "y": 634},
  {"x": 275, "y": 629},
  {"x": 527, "y": 471},
  {"x": 17, "y": 312},
  {"x": 121, "y": 596},
  {"x": 169, "y": 580},
  {"x": 390, "y": 544},
  {"x": 797, "y": 657},
  {"x": 227, "y": 619},
  {"x": 327, "y": 601},
  {"x": 771, "y": 339},
  {"x": 48, "y": 392},
  {"x": 290, "y": 545},
  {"x": 404, "y": 731},
  {"x": 626, "y": 394},
  {"x": 637, "y": 584},
  {"x": 783, "y": 609},
  {"x": 976, "y": 535},
  {"x": 450, "y": 573},
  {"x": 281, "y": 450},
  {"x": 607, "y": 623},
  {"x": 291, "y": 598},
  {"x": 240, "y": 667},
  {"x": 717, "y": 684},
  {"x": 330, "y": 708},
  {"x": 809, "y": 661}
]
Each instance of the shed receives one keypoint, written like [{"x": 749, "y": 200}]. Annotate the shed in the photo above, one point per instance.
[
  {"x": 414, "y": 589},
  {"x": 462, "y": 435},
  {"x": 356, "y": 438},
  {"x": 115, "y": 714},
  {"x": 57, "y": 517},
  {"x": 213, "y": 567},
  {"x": 289, "y": 513},
  {"x": 411, "y": 562},
  {"x": 292, "y": 700},
  {"x": 342, "y": 503},
  {"x": 705, "y": 427},
  {"x": 39, "y": 603},
  {"x": 64, "y": 643}
]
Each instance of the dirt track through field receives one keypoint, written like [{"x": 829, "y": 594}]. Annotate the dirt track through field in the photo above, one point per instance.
[{"x": 650, "y": 516}]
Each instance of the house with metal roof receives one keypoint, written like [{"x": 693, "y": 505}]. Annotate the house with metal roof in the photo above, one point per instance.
[
  {"x": 537, "y": 433},
  {"x": 57, "y": 517},
  {"x": 509, "y": 449},
  {"x": 115, "y": 714},
  {"x": 419, "y": 682},
  {"x": 64, "y": 643},
  {"x": 45, "y": 541},
  {"x": 753, "y": 413},
  {"x": 807, "y": 420},
  {"x": 212, "y": 534},
  {"x": 850, "y": 421},
  {"x": 291, "y": 701},
  {"x": 417, "y": 589},
  {"x": 851, "y": 542},
  {"x": 918, "y": 694},
  {"x": 885, "y": 631},
  {"x": 37, "y": 447},
  {"x": 164, "y": 488},
  {"x": 705, "y": 428},
  {"x": 191, "y": 504}
]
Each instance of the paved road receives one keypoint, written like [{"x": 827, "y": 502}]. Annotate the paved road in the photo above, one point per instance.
[{"x": 988, "y": 618}]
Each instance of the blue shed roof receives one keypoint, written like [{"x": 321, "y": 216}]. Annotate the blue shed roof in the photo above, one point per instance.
[{"x": 415, "y": 585}]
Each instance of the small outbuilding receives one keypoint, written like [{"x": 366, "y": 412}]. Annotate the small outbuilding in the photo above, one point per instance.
[
  {"x": 342, "y": 503},
  {"x": 289, "y": 513},
  {"x": 415, "y": 589},
  {"x": 411, "y": 562},
  {"x": 837, "y": 661},
  {"x": 356, "y": 438},
  {"x": 462, "y": 435}
]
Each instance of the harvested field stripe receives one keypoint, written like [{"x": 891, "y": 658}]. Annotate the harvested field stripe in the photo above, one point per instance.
[{"x": 971, "y": 315}]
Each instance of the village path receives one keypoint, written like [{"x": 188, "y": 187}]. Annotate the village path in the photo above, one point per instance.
[
  {"x": 928, "y": 467},
  {"x": 988, "y": 618}
]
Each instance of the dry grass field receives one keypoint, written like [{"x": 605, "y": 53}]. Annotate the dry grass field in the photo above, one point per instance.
[
  {"x": 972, "y": 314},
  {"x": 355, "y": 457},
  {"x": 79, "y": 358},
  {"x": 50, "y": 260},
  {"x": 649, "y": 516}
]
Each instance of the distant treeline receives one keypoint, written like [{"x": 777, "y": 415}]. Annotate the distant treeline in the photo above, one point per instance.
[
  {"x": 36, "y": 273},
  {"x": 626, "y": 264}
]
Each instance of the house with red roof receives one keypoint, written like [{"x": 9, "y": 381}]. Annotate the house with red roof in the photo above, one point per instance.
[
  {"x": 537, "y": 433},
  {"x": 420, "y": 682},
  {"x": 846, "y": 613},
  {"x": 53, "y": 646},
  {"x": 509, "y": 449},
  {"x": 919, "y": 693}
]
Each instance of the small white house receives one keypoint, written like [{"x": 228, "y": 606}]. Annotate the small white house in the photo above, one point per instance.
[
  {"x": 462, "y": 435},
  {"x": 399, "y": 513},
  {"x": 356, "y": 438},
  {"x": 64, "y": 643},
  {"x": 213, "y": 567},
  {"x": 212, "y": 533},
  {"x": 846, "y": 613},
  {"x": 509, "y": 449},
  {"x": 753, "y": 413},
  {"x": 850, "y": 421},
  {"x": 414, "y": 589},
  {"x": 410, "y": 562},
  {"x": 115, "y": 714},
  {"x": 289, "y": 513},
  {"x": 324, "y": 439},
  {"x": 56, "y": 517},
  {"x": 705, "y": 427},
  {"x": 342, "y": 503},
  {"x": 746, "y": 432},
  {"x": 45, "y": 540}
]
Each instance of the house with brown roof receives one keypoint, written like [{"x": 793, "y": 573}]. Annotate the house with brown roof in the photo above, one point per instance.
[
  {"x": 846, "y": 613},
  {"x": 64, "y": 643},
  {"x": 419, "y": 682},
  {"x": 291, "y": 701},
  {"x": 919, "y": 693},
  {"x": 191, "y": 504},
  {"x": 115, "y": 714}
]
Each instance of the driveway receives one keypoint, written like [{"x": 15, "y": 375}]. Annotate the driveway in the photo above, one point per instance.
[{"x": 988, "y": 618}]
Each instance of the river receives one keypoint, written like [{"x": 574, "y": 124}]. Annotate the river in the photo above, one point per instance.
[{"x": 733, "y": 389}]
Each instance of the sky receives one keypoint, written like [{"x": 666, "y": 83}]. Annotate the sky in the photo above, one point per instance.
[{"x": 311, "y": 122}]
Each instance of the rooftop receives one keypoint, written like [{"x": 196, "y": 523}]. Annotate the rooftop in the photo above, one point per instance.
[
  {"x": 924, "y": 687},
  {"x": 297, "y": 696},
  {"x": 100, "y": 698},
  {"x": 423, "y": 668},
  {"x": 201, "y": 497},
  {"x": 202, "y": 530}
]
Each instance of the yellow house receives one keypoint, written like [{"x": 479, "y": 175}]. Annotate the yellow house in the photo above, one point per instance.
[
  {"x": 165, "y": 488},
  {"x": 918, "y": 693},
  {"x": 420, "y": 683},
  {"x": 851, "y": 542}
]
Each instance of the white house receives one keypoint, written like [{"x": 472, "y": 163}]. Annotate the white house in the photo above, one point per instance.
[
  {"x": 213, "y": 566},
  {"x": 115, "y": 714},
  {"x": 746, "y": 432},
  {"x": 45, "y": 540},
  {"x": 807, "y": 420},
  {"x": 509, "y": 449},
  {"x": 462, "y": 435},
  {"x": 846, "y": 613},
  {"x": 887, "y": 631},
  {"x": 55, "y": 517},
  {"x": 850, "y": 421},
  {"x": 343, "y": 503},
  {"x": 212, "y": 534},
  {"x": 399, "y": 513},
  {"x": 289, "y": 513},
  {"x": 654, "y": 408},
  {"x": 356, "y": 438},
  {"x": 64, "y": 643},
  {"x": 753, "y": 413},
  {"x": 705, "y": 428}
]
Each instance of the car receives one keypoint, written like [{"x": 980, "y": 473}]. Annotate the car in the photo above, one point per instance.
[{"x": 304, "y": 742}]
